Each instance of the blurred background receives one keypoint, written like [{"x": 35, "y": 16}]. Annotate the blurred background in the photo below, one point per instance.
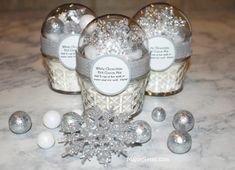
[{"x": 127, "y": 7}]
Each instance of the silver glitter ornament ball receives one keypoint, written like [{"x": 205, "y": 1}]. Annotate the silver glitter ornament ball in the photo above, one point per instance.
[
  {"x": 143, "y": 131},
  {"x": 71, "y": 122},
  {"x": 179, "y": 141},
  {"x": 183, "y": 120},
  {"x": 53, "y": 25},
  {"x": 158, "y": 114},
  {"x": 20, "y": 122}
]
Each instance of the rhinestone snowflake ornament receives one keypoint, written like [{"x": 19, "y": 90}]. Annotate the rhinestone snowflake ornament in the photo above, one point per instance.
[{"x": 100, "y": 135}]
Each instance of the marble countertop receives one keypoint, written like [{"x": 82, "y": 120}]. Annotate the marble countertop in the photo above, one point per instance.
[{"x": 209, "y": 93}]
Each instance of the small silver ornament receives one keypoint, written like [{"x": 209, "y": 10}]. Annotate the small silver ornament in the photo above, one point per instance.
[
  {"x": 73, "y": 15},
  {"x": 158, "y": 114},
  {"x": 143, "y": 131},
  {"x": 20, "y": 122},
  {"x": 183, "y": 120},
  {"x": 53, "y": 25},
  {"x": 72, "y": 28},
  {"x": 179, "y": 141},
  {"x": 71, "y": 122}
]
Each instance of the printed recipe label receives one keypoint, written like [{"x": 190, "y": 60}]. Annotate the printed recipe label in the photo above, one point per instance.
[
  {"x": 110, "y": 75},
  {"x": 67, "y": 51},
  {"x": 162, "y": 53}
]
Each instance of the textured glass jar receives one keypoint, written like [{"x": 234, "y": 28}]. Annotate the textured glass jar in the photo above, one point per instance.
[
  {"x": 113, "y": 64},
  {"x": 169, "y": 40},
  {"x": 60, "y": 34}
]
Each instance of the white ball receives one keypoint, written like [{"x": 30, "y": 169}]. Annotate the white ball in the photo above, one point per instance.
[
  {"x": 135, "y": 55},
  {"x": 85, "y": 20},
  {"x": 78, "y": 111},
  {"x": 90, "y": 52},
  {"x": 45, "y": 140},
  {"x": 52, "y": 119}
]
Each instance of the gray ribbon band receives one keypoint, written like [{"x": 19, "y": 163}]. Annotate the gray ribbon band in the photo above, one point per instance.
[
  {"x": 183, "y": 50},
  {"x": 51, "y": 47},
  {"x": 138, "y": 68}
]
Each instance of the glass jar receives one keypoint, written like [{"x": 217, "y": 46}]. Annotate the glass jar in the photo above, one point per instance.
[
  {"x": 60, "y": 34},
  {"x": 169, "y": 40},
  {"x": 113, "y": 64}
]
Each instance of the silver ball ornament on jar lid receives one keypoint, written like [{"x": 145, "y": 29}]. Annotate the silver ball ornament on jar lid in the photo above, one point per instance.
[
  {"x": 179, "y": 141},
  {"x": 53, "y": 25},
  {"x": 143, "y": 131},
  {"x": 20, "y": 122},
  {"x": 183, "y": 120},
  {"x": 71, "y": 122},
  {"x": 158, "y": 114}
]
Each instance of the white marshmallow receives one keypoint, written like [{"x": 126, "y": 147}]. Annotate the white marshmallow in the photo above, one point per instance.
[
  {"x": 45, "y": 140},
  {"x": 90, "y": 52},
  {"x": 52, "y": 119},
  {"x": 85, "y": 20}
]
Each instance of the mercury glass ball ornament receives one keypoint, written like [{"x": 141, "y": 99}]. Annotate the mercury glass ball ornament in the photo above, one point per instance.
[
  {"x": 183, "y": 120},
  {"x": 158, "y": 114},
  {"x": 179, "y": 141},
  {"x": 71, "y": 122},
  {"x": 143, "y": 131},
  {"x": 53, "y": 25},
  {"x": 20, "y": 122}
]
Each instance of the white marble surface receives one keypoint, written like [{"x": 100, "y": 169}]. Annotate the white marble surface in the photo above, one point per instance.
[{"x": 209, "y": 93}]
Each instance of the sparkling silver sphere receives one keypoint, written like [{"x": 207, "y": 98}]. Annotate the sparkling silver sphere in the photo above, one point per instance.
[
  {"x": 183, "y": 120},
  {"x": 143, "y": 131},
  {"x": 53, "y": 25},
  {"x": 179, "y": 141},
  {"x": 71, "y": 122},
  {"x": 20, "y": 122},
  {"x": 158, "y": 114},
  {"x": 73, "y": 15},
  {"x": 72, "y": 27}
]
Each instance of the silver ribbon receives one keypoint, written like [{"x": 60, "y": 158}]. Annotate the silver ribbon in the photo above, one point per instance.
[
  {"x": 51, "y": 47},
  {"x": 183, "y": 50},
  {"x": 138, "y": 68}
]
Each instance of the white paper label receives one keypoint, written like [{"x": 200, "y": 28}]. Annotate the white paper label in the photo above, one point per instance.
[
  {"x": 162, "y": 53},
  {"x": 67, "y": 51},
  {"x": 110, "y": 75}
]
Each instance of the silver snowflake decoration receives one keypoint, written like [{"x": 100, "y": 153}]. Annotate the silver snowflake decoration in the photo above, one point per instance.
[{"x": 100, "y": 135}]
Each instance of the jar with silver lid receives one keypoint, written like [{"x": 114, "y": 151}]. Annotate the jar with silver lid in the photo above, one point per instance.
[
  {"x": 60, "y": 34},
  {"x": 169, "y": 39},
  {"x": 113, "y": 64}
]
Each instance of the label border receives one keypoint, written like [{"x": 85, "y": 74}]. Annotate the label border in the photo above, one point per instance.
[{"x": 112, "y": 56}]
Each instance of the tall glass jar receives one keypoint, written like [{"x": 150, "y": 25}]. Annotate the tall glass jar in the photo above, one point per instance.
[
  {"x": 169, "y": 40},
  {"x": 113, "y": 64},
  {"x": 60, "y": 34}
]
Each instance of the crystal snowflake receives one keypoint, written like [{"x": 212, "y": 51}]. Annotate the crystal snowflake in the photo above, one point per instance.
[{"x": 99, "y": 134}]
